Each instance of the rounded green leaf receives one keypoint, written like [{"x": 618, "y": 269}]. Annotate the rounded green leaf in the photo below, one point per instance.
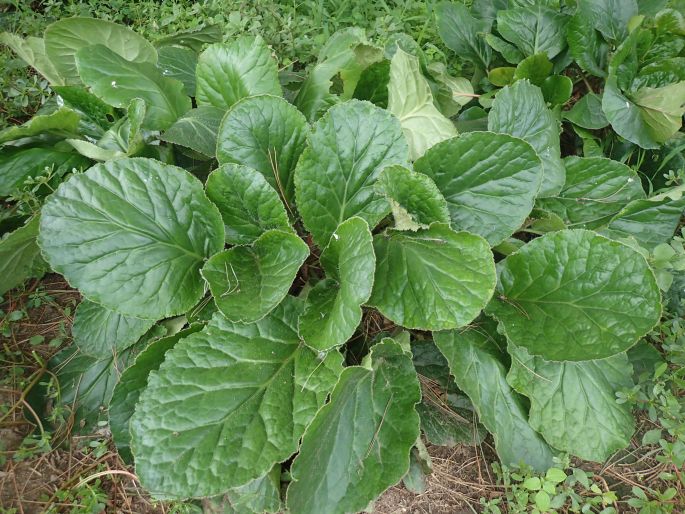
[
  {"x": 64, "y": 38},
  {"x": 489, "y": 181},
  {"x": 432, "y": 279},
  {"x": 557, "y": 89},
  {"x": 248, "y": 282},
  {"x": 414, "y": 198},
  {"x": 132, "y": 235},
  {"x": 596, "y": 188},
  {"x": 99, "y": 331},
  {"x": 333, "y": 308},
  {"x": 118, "y": 81},
  {"x": 252, "y": 391},
  {"x": 265, "y": 133},
  {"x": 248, "y": 205},
  {"x": 334, "y": 180},
  {"x": 535, "y": 68},
  {"x": 227, "y": 72},
  {"x": 574, "y": 295},
  {"x": 359, "y": 443},
  {"x": 573, "y": 404},
  {"x": 520, "y": 111}
]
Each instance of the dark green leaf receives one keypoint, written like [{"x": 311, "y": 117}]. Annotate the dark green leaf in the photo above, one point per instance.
[
  {"x": 179, "y": 63},
  {"x": 557, "y": 89},
  {"x": 464, "y": 34},
  {"x": 534, "y": 29},
  {"x": 196, "y": 129},
  {"x": 20, "y": 256},
  {"x": 587, "y": 113},
  {"x": 535, "y": 68}
]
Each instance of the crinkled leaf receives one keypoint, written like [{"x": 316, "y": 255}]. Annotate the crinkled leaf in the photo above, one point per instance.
[
  {"x": 253, "y": 387},
  {"x": 265, "y": 133},
  {"x": 333, "y": 307},
  {"x": 61, "y": 123},
  {"x": 132, "y": 235},
  {"x": 411, "y": 100},
  {"x": 196, "y": 129},
  {"x": 64, "y": 38},
  {"x": 574, "y": 295},
  {"x": 118, "y": 81},
  {"x": 20, "y": 256},
  {"x": 489, "y": 181},
  {"x": 573, "y": 404},
  {"x": 358, "y": 444},
  {"x": 133, "y": 382},
  {"x": 98, "y": 331},
  {"x": 248, "y": 205},
  {"x": 414, "y": 198},
  {"x": 520, "y": 111},
  {"x": 32, "y": 51},
  {"x": 464, "y": 34},
  {"x": 534, "y": 29},
  {"x": 17, "y": 165},
  {"x": 587, "y": 113},
  {"x": 596, "y": 188},
  {"x": 475, "y": 364},
  {"x": 248, "y": 282},
  {"x": 179, "y": 63},
  {"x": 432, "y": 279},
  {"x": 227, "y": 72},
  {"x": 335, "y": 175}
]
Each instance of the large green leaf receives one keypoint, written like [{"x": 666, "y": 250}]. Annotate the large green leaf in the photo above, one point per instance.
[
  {"x": 179, "y": 63},
  {"x": 610, "y": 17},
  {"x": 32, "y": 51},
  {"x": 64, "y": 38},
  {"x": 625, "y": 116},
  {"x": 534, "y": 29},
  {"x": 259, "y": 496},
  {"x": 662, "y": 109},
  {"x": 358, "y": 444},
  {"x": 118, "y": 81},
  {"x": 98, "y": 331},
  {"x": 596, "y": 188},
  {"x": 132, "y": 235},
  {"x": 586, "y": 45},
  {"x": 248, "y": 205},
  {"x": 334, "y": 179},
  {"x": 573, "y": 404},
  {"x": 227, "y": 72},
  {"x": 61, "y": 123},
  {"x": 475, "y": 363},
  {"x": 520, "y": 111},
  {"x": 248, "y": 282},
  {"x": 333, "y": 308},
  {"x": 587, "y": 113},
  {"x": 20, "y": 256},
  {"x": 414, "y": 198},
  {"x": 411, "y": 100},
  {"x": 651, "y": 222},
  {"x": 252, "y": 391},
  {"x": 489, "y": 181},
  {"x": 17, "y": 165},
  {"x": 265, "y": 133},
  {"x": 196, "y": 129},
  {"x": 464, "y": 34},
  {"x": 432, "y": 279},
  {"x": 133, "y": 382},
  {"x": 574, "y": 295}
]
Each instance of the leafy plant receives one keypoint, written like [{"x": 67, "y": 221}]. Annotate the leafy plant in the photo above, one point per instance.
[{"x": 270, "y": 276}]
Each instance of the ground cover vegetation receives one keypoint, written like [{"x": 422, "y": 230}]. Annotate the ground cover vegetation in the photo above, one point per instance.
[{"x": 294, "y": 276}]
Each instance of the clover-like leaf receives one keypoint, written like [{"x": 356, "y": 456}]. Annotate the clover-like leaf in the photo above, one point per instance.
[
  {"x": 415, "y": 200},
  {"x": 265, "y": 133},
  {"x": 358, "y": 444},
  {"x": 132, "y": 235},
  {"x": 227, "y": 72},
  {"x": 248, "y": 205},
  {"x": 574, "y": 295},
  {"x": 333, "y": 308},
  {"x": 253, "y": 389},
  {"x": 335, "y": 176},
  {"x": 489, "y": 181},
  {"x": 520, "y": 111},
  {"x": 475, "y": 363},
  {"x": 99, "y": 331},
  {"x": 248, "y": 282},
  {"x": 573, "y": 404},
  {"x": 432, "y": 279}
]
